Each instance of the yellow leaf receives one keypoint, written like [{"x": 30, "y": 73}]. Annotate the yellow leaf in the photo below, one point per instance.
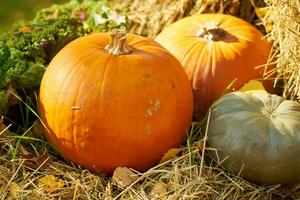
[
  {"x": 262, "y": 12},
  {"x": 85, "y": 26},
  {"x": 14, "y": 190},
  {"x": 170, "y": 154},
  {"x": 253, "y": 85},
  {"x": 50, "y": 183},
  {"x": 25, "y": 29}
]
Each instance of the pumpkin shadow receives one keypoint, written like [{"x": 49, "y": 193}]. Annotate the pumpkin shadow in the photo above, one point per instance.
[{"x": 229, "y": 38}]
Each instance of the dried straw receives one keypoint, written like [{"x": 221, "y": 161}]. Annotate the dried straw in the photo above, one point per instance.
[
  {"x": 285, "y": 34},
  {"x": 149, "y": 17},
  {"x": 192, "y": 174},
  {"x": 186, "y": 176}
]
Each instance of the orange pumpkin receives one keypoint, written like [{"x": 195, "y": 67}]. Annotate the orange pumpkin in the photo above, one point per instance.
[
  {"x": 122, "y": 104},
  {"x": 215, "y": 50}
]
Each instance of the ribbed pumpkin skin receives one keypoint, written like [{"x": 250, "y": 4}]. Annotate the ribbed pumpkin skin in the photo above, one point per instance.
[
  {"x": 266, "y": 148},
  {"x": 212, "y": 65},
  {"x": 105, "y": 111}
]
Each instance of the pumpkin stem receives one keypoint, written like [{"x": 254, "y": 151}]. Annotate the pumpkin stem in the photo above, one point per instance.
[
  {"x": 112, "y": 41},
  {"x": 269, "y": 112},
  {"x": 118, "y": 44},
  {"x": 211, "y": 31}
]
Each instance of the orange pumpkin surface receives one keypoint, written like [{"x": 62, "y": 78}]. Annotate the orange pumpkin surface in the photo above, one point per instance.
[
  {"x": 215, "y": 50},
  {"x": 122, "y": 104}
]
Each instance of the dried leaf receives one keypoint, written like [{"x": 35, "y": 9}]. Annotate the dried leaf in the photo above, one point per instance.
[
  {"x": 42, "y": 162},
  {"x": 50, "y": 183},
  {"x": 253, "y": 85},
  {"x": 262, "y": 13},
  {"x": 14, "y": 190},
  {"x": 170, "y": 154},
  {"x": 25, "y": 29},
  {"x": 268, "y": 26},
  {"x": 124, "y": 177},
  {"x": 159, "y": 190}
]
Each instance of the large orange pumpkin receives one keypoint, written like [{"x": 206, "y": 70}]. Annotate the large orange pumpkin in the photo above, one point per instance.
[
  {"x": 122, "y": 104},
  {"x": 215, "y": 50}
]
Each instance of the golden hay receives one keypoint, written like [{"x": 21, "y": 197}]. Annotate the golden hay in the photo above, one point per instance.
[
  {"x": 192, "y": 174},
  {"x": 149, "y": 17},
  {"x": 186, "y": 176},
  {"x": 285, "y": 35}
]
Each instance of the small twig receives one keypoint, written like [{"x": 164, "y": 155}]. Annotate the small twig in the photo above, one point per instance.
[{"x": 204, "y": 142}]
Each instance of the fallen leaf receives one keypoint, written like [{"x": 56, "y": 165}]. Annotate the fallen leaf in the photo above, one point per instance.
[
  {"x": 50, "y": 183},
  {"x": 253, "y": 85},
  {"x": 124, "y": 177},
  {"x": 262, "y": 13},
  {"x": 42, "y": 162},
  {"x": 25, "y": 29},
  {"x": 14, "y": 190},
  {"x": 159, "y": 190},
  {"x": 170, "y": 154}
]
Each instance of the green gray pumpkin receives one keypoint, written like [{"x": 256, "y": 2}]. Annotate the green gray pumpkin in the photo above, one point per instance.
[{"x": 260, "y": 134}]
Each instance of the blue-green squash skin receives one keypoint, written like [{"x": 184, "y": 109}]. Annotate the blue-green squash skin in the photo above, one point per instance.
[{"x": 257, "y": 135}]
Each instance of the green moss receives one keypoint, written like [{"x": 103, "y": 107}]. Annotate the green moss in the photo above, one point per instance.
[
  {"x": 3, "y": 100},
  {"x": 27, "y": 49},
  {"x": 13, "y": 67}
]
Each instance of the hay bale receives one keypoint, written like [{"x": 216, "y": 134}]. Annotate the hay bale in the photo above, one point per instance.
[
  {"x": 185, "y": 176},
  {"x": 188, "y": 175},
  {"x": 150, "y": 17},
  {"x": 285, "y": 34}
]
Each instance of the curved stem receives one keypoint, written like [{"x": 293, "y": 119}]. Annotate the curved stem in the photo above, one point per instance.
[
  {"x": 118, "y": 43},
  {"x": 112, "y": 41}
]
